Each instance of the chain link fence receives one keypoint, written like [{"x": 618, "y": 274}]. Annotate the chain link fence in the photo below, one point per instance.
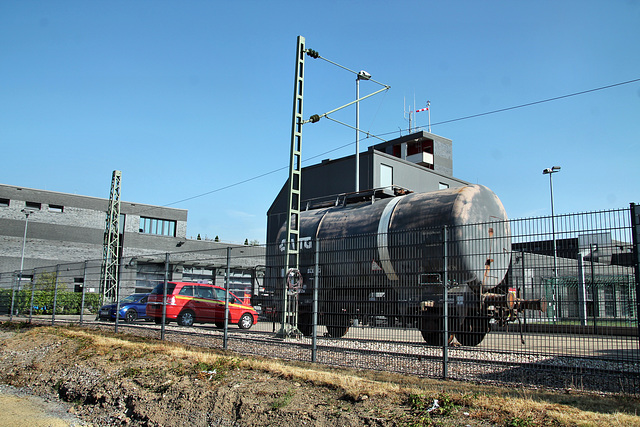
[{"x": 547, "y": 301}]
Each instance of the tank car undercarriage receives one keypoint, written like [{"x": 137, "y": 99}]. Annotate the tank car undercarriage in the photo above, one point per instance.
[{"x": 469, "y": 313}]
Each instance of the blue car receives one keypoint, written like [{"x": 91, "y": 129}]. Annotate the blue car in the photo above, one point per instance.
[{"x": 132, "y": 308}]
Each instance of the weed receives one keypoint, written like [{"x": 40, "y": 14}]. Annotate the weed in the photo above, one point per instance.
[
  {"x": 520, "y": 422},
  {"x": 283, "y": 400},
  {"x": 215, "y": 370},
  {"x": 14, "y": 326},
  {"x": 416, "y": 402},
  {"x": 447, "y": 404},
  {"x": 131, "y": 372}
]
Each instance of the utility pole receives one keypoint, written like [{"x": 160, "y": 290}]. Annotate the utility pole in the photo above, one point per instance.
[
  {"x": 290, "y": 308},
  {"x": 293, "y": 278},
  {"x": 109, "y": 271}
]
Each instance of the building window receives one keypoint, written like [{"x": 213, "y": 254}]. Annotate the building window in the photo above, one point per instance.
[
  {"x": 163, "y": 227},
  {"x": 4, "y": 203},
  {"x": 33, "y": 205},
  {"x": 386, "y": 176},
  {"x": 78, "y": 284},
  {"x": 443, "y": 186},
  {"x": 56, "y": 208}
]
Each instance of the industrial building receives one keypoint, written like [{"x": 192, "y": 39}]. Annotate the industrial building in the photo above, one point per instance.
[
  {"x": 418, "y": 162},
  {"x": 43, "y": 230}
]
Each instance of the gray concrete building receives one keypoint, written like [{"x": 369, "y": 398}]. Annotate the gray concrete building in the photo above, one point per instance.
[
  {"x": 418, "y": 162},
  {"x": 65, "y": 233}
]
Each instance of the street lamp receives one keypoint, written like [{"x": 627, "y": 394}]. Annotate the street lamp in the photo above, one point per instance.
[
  {"x": 550, "y": 171},
  {"x": 362, "y": 75},
  {"x": 24, "y": 241}
]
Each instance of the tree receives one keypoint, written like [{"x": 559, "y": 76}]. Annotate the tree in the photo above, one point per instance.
[
  {"x": 46, "y": 282},
  {"x": 198, "y": 238},
  {"x": 246, "y": 242},
  {"x": 217, "y": 239}
]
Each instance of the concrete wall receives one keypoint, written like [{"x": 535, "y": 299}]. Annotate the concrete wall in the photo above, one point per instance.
[{"x": 76, "y": 233}]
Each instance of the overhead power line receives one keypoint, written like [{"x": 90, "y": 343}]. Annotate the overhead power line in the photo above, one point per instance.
[
  {"x": 501, "y": 110},
  {"x": 529, "y": 104}
]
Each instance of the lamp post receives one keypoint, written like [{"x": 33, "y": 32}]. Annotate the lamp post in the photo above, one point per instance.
[
  {"x": 362, "y": 75},
  {"x": 550, "y": 171},
  {"x": 24, "y": 242}
]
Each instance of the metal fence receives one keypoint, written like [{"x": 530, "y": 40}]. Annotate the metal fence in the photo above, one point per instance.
[{"x": 539, "y": 301}]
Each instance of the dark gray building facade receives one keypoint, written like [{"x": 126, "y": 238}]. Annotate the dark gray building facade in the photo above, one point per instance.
[
  {"x": 68, "y": 230},
  {"x": 418, "y": 162}
]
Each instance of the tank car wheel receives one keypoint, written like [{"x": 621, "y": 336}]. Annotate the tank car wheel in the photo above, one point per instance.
[
  {"x": 337, "y": 325},
  {"x": 337, "y": 331},
  {"x": 186, "y": 318},
  {"x": 246, "y": 321},
  {"x": 473, "y": 330},
  {"x": 431, "y": 327},
  {"x": 305, "y": 324}
]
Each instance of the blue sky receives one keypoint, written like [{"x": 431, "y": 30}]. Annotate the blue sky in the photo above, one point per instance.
[{"x": 189, "y": 98}]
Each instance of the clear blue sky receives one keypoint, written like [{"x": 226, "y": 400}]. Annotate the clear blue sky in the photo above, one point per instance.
[{"x": 188, "y": 98}]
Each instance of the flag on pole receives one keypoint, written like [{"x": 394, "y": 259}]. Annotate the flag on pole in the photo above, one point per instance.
[{"x": 422, "y": 109}]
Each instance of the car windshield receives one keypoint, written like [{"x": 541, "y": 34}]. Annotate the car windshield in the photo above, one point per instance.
[
  {"x": 159, "y": 289},
  {"x": 131, "y": 298}
]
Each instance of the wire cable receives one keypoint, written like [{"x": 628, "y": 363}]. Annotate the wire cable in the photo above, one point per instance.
[
  {"x": 529, "y": 104},
  {"x": 389, "y": 133}
]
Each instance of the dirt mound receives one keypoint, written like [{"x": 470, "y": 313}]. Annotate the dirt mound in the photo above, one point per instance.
[
  {"x": 115, "y": 382},
  {"x": 107, "y": 380}
]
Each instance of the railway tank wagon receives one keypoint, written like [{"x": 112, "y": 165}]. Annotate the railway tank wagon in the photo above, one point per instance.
[{"x": 384, "y": 260}]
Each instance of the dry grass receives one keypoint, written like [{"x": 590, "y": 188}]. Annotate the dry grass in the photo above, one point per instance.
[{"x": 497, "y": 405}]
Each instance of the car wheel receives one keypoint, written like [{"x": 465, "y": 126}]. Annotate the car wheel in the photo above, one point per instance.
[
  {"x": 158, "y": 321},
  {"x": 130, "y": 316},
  {"x": 186, "y": 318},
  {"x": 219, "y": 325},
  {"x": 246, "y": 321}
]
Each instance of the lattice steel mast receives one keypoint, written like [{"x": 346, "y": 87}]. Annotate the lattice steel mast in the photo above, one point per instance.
[
  {"x": 289, "y": 309},
  {"x": 109, "y": 272}
]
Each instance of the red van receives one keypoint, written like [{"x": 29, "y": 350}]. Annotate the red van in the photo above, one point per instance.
[{"x": 190, "y": 303}]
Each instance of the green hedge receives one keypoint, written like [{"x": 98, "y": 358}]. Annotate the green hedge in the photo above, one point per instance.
[{"x": 66, "y": 302}]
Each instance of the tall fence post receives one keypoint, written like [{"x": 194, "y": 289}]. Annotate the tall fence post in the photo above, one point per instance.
[
  {"x": 314, "y": 318},
  {"x": 33, "y": 290},
  {"x": 13, "y": 296},
  {"x": 582, "y": 289},
  {"x": 445, "y": 310},
  {"x": 117, "y": 292},
  {"x": 635, "y": 232},
  {"x": 524, "y": 288},
  {"x": 594, "y": 289},
  {"x": 225, "y": 339},
  {"x": 164, "y": 295},
  {"x": 55, "y": 296},
  {"x": 84, "y": 286}
]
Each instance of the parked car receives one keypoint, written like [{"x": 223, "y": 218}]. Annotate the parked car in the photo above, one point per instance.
[
  {"x": 132, "y": 308},
  {"x": 189, "y": 303}
]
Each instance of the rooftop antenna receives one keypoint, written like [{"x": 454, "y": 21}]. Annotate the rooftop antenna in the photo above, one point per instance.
[
  {"x": 428, "y": 110},
  {"x": 410, "y": 113}
]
